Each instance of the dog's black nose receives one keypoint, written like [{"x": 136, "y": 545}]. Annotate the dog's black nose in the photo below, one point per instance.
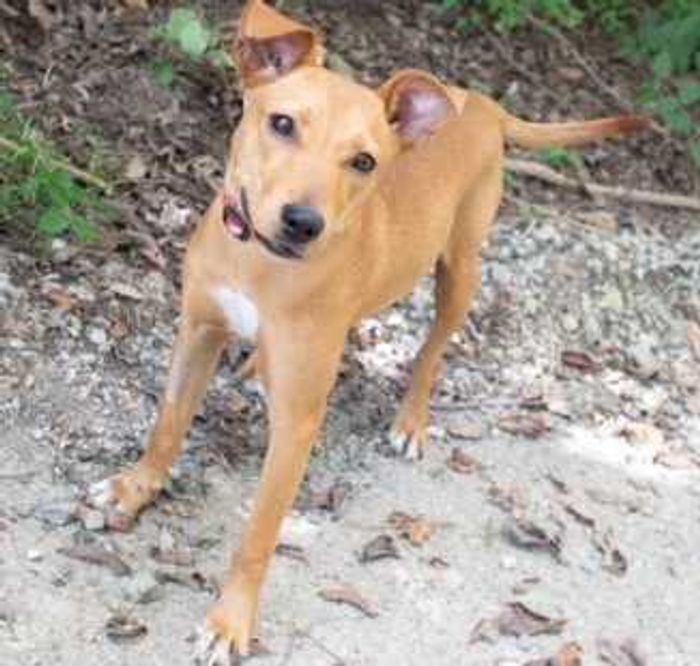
[{"x": 301, "y": 224}]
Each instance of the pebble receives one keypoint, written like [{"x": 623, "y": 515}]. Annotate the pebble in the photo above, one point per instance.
[
  {"x": 143, "y": 588},
  {"x": 92, "y": 520},
  {"x": 97, "y": 336},
  {"x": 35, "y": 555},
  {"x": 56, "y": 513},
  {"x": 508, "y": 562}
]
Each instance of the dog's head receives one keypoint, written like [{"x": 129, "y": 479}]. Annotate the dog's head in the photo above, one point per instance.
[{"x": 312, "y": 143}]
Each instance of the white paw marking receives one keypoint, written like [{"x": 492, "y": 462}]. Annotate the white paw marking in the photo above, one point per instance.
[
  {"x": 101, "y": 494},
  {"x": 404, "y": 445},
  {"x": 213, "y": 651},
  {"x": 240, "y": 311}
]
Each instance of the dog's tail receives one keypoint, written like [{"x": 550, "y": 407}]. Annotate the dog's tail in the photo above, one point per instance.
[{"x": 548, "y": 135}]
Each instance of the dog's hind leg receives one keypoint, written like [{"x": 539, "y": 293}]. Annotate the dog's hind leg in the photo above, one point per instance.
[
  {"x": 199, "y": 342},
  {"x": 457, "y": 279}
]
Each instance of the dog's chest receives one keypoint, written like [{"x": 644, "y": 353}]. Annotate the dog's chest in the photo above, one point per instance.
[{"x": 240, "y": 312}]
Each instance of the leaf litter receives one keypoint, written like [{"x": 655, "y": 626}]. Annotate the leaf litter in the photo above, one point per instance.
[{"x": 516, "y": 619}]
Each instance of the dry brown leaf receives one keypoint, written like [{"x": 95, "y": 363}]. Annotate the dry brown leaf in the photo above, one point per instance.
[
  {"x": 438, "y": 562},
  {"x": 614, "y": 559},
  {"x": 414, "y": 528},
  {"x": 331, "y": 499},
  {"x": 292, "y": 552},
  {"x": 570, "y": 654},
  {"x": 96, "y": 553},
  {"x": 694, "y": 339},
  {"x": 580, "y": 361},
  {"x": 580, "y": 515},
  {"x": 175, "y": 556},
  {"x": 525, "y": 424},
  {"x": 516, "y": 620},
  {"x": 462, "y": 463},
  {"x": 124, "y": 627},
  {"x": 61, "y": 298},
  {"x": 644, "y": 434},
  {"x": 344, "y": 594},
  {"x": 379, "y": 548},
  {"x": 526, "y": 584},
  {"x": 508, "y": 497},
  {"x": 524, "y": 533}
]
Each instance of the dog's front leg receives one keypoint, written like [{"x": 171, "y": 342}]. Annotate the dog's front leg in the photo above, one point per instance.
[
  {"x": 299, "y": 371},
  {"x": 200, "y": 340}
]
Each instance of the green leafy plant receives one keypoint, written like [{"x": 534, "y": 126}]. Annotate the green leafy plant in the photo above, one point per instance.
[
  {"x": 185, "y": 30},
  {"x": 37, "y": 187},
  {"x": 669, "y": 37},
  {"x": 561, "y": 157},
  {"x": 664, "y": 35},
  {"x": 510, "y": 14}
]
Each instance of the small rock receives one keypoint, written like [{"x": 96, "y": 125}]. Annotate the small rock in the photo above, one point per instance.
[
  {"x": 136, "y": 168},
  {"x": 466, "y": 429},
  {"x": 57, "y": 513},
  {"x": 570, "y": 323},
  {"x": 144, "y": 588},
  {"x": 97, "y": 336},
  {"x": 508, "y": 562},
  {"x": 92, "y": 520},
  {"x": 35, "y": 555}
]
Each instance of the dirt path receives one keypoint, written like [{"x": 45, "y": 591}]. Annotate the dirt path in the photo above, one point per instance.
[{"x": 572, "y": 397}]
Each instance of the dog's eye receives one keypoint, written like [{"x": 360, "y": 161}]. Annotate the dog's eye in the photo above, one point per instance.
[
  {"x": 363, "y": 162},
  {"x": 282, "y": 125}
]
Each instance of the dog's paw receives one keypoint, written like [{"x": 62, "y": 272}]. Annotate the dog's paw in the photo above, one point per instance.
[
  {"x": 212, "y": 650},
  {"x": 230, "y": 628},
  {"x": 102, "y": 496},
  {"x": 407, "y": 444},
  {"x": 121, "y": 497}
]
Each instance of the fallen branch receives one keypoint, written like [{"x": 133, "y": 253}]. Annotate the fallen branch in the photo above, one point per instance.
[
  {"x": 79, "y": 174},
  {"x": 548, "y": 175}
]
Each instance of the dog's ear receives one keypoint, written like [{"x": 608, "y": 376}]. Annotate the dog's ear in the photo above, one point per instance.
[
  {"x": 270, "y": 44},
  {"x": 416, "y": 104}
]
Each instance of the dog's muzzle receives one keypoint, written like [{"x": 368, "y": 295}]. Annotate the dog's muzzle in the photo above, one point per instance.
[{"x": 238, "y": 222}]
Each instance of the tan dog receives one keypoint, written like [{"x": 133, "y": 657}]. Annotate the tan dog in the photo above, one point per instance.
[{"x": 337, "y": 198}]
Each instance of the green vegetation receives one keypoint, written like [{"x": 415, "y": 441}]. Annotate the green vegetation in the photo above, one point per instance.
[
  {"x": 561, "y": 157},
  {"x": 38, "y": 189},
  {"x": 192, "y": 36},
  {"x": 663, "y": 35}
]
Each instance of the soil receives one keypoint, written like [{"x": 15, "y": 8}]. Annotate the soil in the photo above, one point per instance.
[{"x": 563, "y": 468}]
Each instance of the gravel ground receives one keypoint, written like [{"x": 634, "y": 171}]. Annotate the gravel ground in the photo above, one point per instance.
[{"x": 556, "y": 512}]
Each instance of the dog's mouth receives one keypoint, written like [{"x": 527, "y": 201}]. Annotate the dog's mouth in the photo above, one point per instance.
[{"x": 238, "y": 222}]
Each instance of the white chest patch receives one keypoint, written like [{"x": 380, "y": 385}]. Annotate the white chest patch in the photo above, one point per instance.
[{"x": 240, "y": 311}]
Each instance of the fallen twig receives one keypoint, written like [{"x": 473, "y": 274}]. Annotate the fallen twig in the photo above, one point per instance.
[
  {"x": 548, "y": 175},
  {"x": 80, "y": 174}
]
